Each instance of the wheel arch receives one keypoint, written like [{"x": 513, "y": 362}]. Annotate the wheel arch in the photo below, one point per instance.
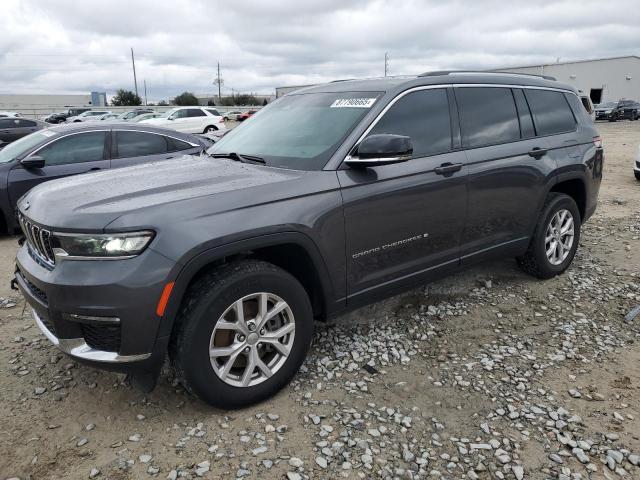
[
  {"x": 294, "y": 252},
  {"x": 576, "y": 188}
]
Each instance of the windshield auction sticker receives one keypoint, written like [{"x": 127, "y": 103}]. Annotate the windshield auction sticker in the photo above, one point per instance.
[{"x": 353, "y": 103}]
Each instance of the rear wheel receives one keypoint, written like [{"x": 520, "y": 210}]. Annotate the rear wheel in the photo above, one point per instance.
[
  {"x": 242, "y": 334},
  {"x": 210, "y": 129},
  {"x": 555, "y": 239},
  {"x": 637, "y": 174}
]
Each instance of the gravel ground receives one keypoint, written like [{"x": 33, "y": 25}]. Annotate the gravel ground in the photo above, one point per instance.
[{"x": 487, "y": 374}]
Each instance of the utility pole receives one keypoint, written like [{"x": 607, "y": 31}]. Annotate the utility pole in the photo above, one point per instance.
[
  {"x": 145, "y": 92},
  {"x": 219, "y": 81},
  {"x": 386, "y": 63},
  {"x": 133, "y": 63}
]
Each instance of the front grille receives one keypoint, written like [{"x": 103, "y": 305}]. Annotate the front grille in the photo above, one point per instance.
[
  {"x": 102, "y": 337},
  {"x": 38, "y": 240}
]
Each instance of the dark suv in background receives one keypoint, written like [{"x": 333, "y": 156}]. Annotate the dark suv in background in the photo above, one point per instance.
[
  {"x": 620, "y": 110},
  {"x": 330, "y": 198}
]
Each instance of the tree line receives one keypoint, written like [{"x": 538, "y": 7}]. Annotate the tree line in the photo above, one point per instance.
[{"x": 127, "y": 98}]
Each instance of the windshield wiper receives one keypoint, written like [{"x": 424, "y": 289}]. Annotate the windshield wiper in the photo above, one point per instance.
[{"x": 239, "y": 157}]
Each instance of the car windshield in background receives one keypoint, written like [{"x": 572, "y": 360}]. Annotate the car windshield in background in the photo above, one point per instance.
[
  {"x": 17, "y": 148},
  {"x": 298, "y": 131},
  {"x": 608, "y": 105}
]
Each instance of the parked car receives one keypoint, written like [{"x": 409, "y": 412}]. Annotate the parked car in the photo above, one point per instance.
[
  {"x": 636, "y": 167},
  {"x": 130, "y": 115},
  {"x": 232, "y": 115},
  {"x": 88, "y": 115},
  {"x": 5, "y": 114},
  {"x": 225, "y": 260},
  {"x": 620, "y": 110},
  {"x": 60, "y": 117},
  {"x": 243, "y": 116},
  {"x": 111, "y": 117},
  {"x": 190, "y": 120},
  {"x": 13, "y": 128},
  {"x": 146, "y": 116},
  {"x": 76, "y": 148}
]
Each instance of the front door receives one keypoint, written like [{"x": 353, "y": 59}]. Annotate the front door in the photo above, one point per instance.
[
  {"x": 70, "y": 155},
  {"x": 403, "y": 221}
]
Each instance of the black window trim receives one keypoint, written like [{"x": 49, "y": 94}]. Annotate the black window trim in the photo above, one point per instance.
[{"x": 105, "y": 155}]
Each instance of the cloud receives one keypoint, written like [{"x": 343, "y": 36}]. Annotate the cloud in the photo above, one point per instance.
[{"x": 68, "y": 46}]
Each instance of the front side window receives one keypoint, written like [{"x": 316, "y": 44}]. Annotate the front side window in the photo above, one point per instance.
[
  {"x": 138, "y": 144},
  {"x": 422, "y": 115},
  {"x": 551, "y": 112},
  {"x": 488, "y": 116},
  {"x": 179, "y": 114},
  {"x": 299, "y": 131},
  {"x": 78, "y": 148}
]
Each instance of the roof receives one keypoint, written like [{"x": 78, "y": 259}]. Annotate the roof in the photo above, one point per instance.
[
  {"x": 565, "y": 63},
  {"x": 387, "y": 84}
]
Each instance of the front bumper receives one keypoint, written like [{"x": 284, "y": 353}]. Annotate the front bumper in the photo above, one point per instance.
[{"x": 102, "y": 313}]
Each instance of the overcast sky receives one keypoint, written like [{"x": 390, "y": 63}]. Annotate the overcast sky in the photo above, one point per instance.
[{"x": 67, "y": 46}]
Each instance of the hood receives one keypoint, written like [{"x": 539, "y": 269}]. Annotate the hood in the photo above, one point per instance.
[{"x": 92, "y": 201}]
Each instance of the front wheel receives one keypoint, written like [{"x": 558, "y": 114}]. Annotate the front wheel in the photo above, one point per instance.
[
  {"x": 243, "y": 332},
  {"x": 555, "y": 238}
]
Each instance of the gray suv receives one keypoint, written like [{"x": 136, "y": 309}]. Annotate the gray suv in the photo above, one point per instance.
[{"x": 328, "y": 199}]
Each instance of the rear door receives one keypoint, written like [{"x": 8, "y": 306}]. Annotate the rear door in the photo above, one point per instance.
[
  {"x": 508, "y": 169},
  {"x": 132, "y": 147},
  {"x": 196, "y": 120},
  {"x": 70, "y": 155},
  {"x": 403, "y": 221}
]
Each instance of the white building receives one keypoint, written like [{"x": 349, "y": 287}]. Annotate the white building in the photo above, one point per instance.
[
  {"x": 36, "y": 104},
  {"x": 603, "y": 79}
]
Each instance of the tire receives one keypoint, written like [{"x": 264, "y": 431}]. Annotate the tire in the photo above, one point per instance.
[
  {"x": 637, "y": 174},
  {"x": 202, "y": 308},
  {"x": 535, "y": 261},
  {"x": 210, "y": 129}
]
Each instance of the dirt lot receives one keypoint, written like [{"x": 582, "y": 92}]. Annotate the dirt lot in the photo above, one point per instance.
[{"x": 488, "y": 374}]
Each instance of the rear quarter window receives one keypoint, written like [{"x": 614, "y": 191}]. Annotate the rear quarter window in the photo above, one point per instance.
[{"x": 551, "y": 112}]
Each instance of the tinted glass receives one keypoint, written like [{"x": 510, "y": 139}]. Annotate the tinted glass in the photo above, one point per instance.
[
  {"x": 299, "y": 131},
  {"x": 587, "y": 104},
  {"x": 577, "y": 105},
  {"x": 137, "y": 144},
  {"x": 8, "y": 123},
  {"x": 488, "y": 116},
  {"x": 179, "y": 114},
  {"x": 213, "y": 112},
  {"x": 524, "y": 114},
  {"x": 423, "y": 116},
  {"x": 82, "y": 147},
  {"x": 26, "y": 123},
  {"x": 177, "y": 145},
  {"x": 551, "y": 112},
  {"x": 195, "y": 112},
  {"x": 22, "y": 146}
]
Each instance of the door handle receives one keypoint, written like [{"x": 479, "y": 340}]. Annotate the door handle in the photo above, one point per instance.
[
  {"x": 94, "y": 169},
  {"x": 537, "y": 152},
  {"x": 446, "y": 168}
]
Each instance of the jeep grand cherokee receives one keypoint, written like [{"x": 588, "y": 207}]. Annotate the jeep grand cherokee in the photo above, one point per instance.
[{"x": 330, "y": 198}]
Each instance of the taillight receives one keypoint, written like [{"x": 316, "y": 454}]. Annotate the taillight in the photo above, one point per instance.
[
  {"x": 597, "y": 142},
  {"x": 221, "y": 120}
]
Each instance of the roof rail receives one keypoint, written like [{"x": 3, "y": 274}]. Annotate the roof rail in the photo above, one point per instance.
[{"x": 449, "y": 72}]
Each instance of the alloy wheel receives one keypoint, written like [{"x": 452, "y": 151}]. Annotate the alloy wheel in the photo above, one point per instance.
[
  {"x": 252, "y": 339},
  {"x": 559, "y": 237}
]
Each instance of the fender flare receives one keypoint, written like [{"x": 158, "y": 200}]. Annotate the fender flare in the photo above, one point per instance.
[{"x": 187, "y": 269}]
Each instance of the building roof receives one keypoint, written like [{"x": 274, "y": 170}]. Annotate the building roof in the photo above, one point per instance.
[{"x": 564, "y": 63}]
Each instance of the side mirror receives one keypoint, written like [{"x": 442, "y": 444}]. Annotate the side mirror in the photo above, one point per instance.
[
  {"x": 381, "y": 149},
  {"x": 33, "y": 161},
  {"x": 171, "y": 118}
]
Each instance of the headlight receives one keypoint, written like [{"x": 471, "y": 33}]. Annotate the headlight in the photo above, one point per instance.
[{"x": 109, "y": 245}]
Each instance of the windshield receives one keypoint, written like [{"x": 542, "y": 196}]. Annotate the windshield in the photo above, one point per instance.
[
  {"x": 298, "y": 131},
  {"x": 608, "y": 105},
  {"x": 19, "y": 147}
]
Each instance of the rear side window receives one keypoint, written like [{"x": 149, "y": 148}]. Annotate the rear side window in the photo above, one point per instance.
[
  {"x": 551, "y": 112},
  {"x": 176, "y": 145},
  {"x": 577, "y": 106},
  {"x": 587, "y": 104},
  {"x": 8, "y": 123},
  {"x": 195, "y": 112},
  {"x": 488, "y": 116},
  {"x": 423, "y": 116},
  {"x": 26, "y": 123},
  {"x": 138, "y": 144},
  {"x": 78, "y": 148},
  {"x": 213, "y": 112}
]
